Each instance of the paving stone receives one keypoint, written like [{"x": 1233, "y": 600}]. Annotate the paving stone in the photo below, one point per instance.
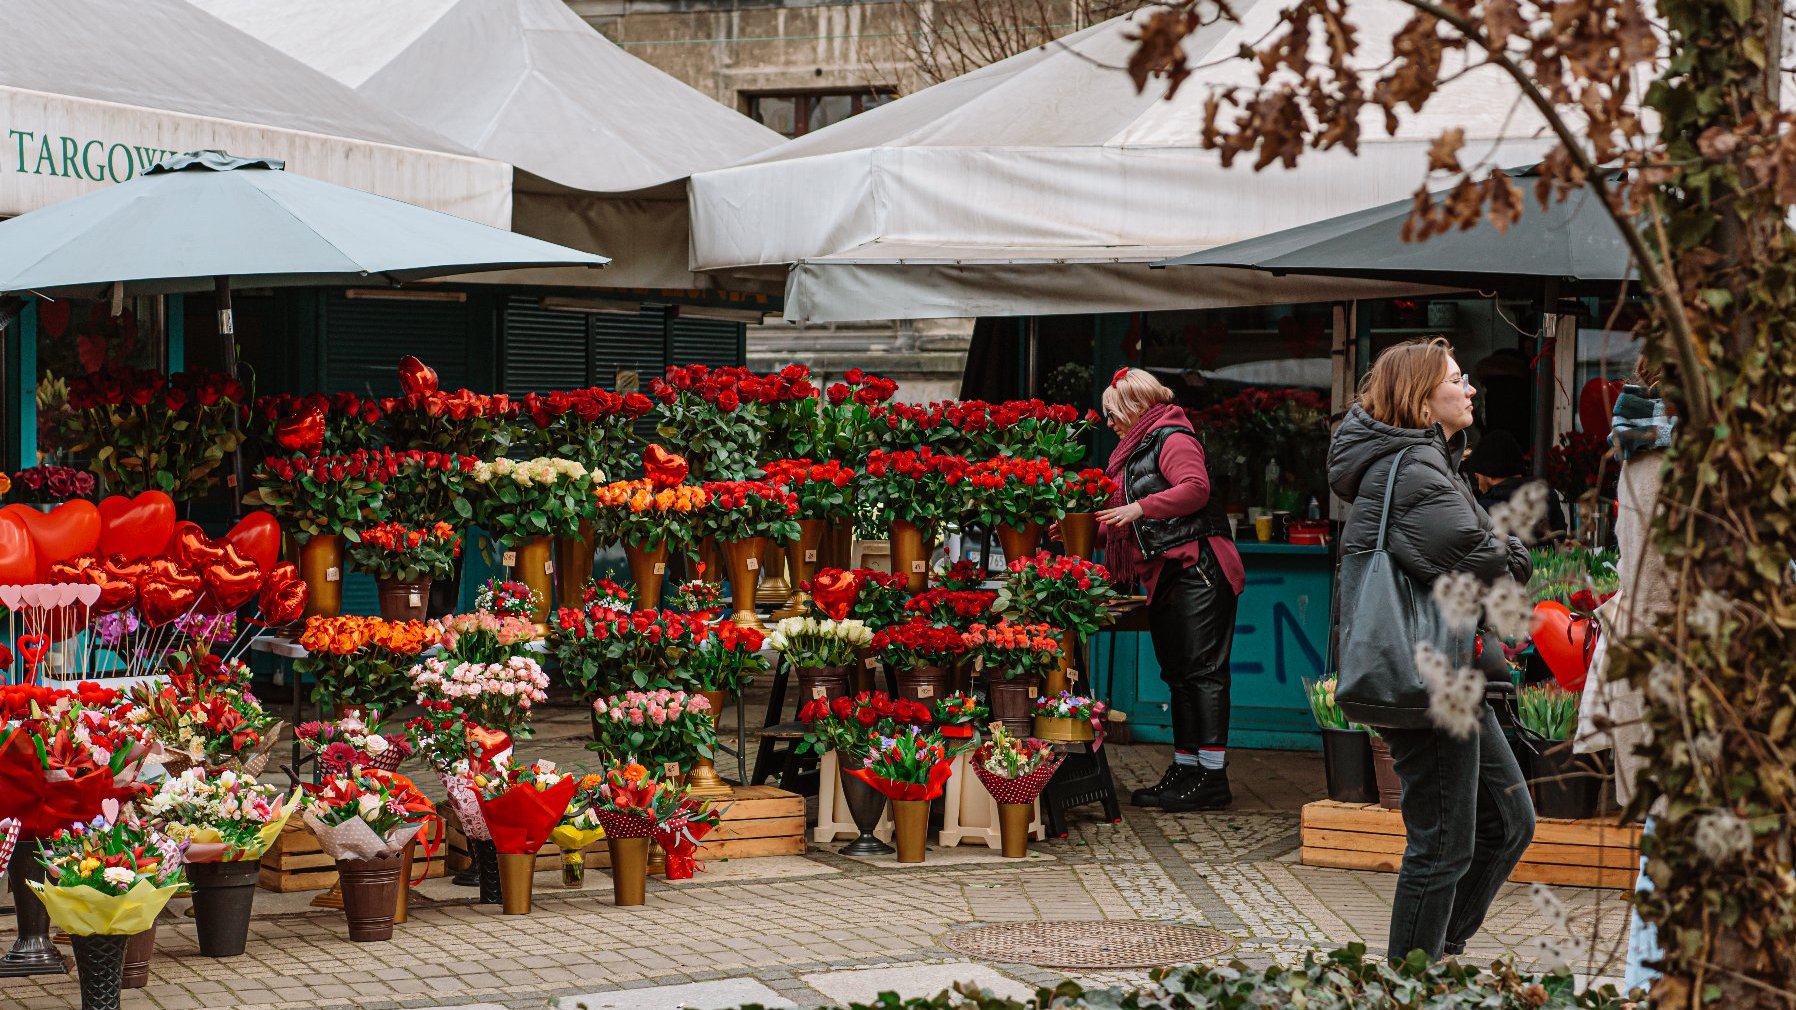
[
  {"x": 716, "y": 995},
  {"x": 863, "y": 985}
]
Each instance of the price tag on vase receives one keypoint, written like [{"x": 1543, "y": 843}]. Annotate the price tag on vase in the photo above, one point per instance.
[
  {"x": 819, "y": 691},
  {"x": 810, "y": 556},
  {"x": 754, "y": 564},
  {"x": 333, "y": 575},
  {"x": 660, "y": 568},
  {"x": 510, "y": 559}
]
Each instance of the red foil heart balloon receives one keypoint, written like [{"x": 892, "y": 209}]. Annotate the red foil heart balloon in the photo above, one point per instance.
[
  {"x": 415, "y": 377},
  {"x": 257, "y": 536},
  {"x": 117, "y": 579},
  {"x": 68, "y": 530},
  {"x": 18, "y": 557},
  {"x": 195, "y": 549},
  {"x": 135, "y": 527},
  {"x": 1564, "y": 642},
  {"x": 283, "y": 601},
  {"x": 302, "y": 431},
  {"x": 232, "y": 581},
  {"x": 664, "y": 468},
  {"x": 73, "y": 570},
  {"x": 168, "y": 590}
]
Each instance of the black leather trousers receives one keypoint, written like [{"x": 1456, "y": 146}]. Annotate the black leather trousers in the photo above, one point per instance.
[{"x": 1192, "y": 621}]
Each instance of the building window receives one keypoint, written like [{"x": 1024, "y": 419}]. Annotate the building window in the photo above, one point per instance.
[{"x": 796, "y": 113}]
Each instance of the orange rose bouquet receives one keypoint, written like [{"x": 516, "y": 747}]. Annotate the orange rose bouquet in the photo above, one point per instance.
[
  {"x": 641, "y": 513},
  {"x": 397, "y": 551},
  {"x": 1008, "y": 650},
  {"x": 363, "y": 662}
]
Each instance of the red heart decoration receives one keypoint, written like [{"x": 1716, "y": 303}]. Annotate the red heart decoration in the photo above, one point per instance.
[
  {"x": 1564, "y": 642},
  {"x": 284, "y": 595},
  {"x": 117, "y": 579},
  {"x": 193, "y": 548},
  {"x": 32, "y": 649},
  {"x": 257, "y": 536},
  {"x": 302, "y": 431},
  {"x": 663, "y": 468},
  {"x": 231, "y": 582},
  {"x": 129, "y": 526},
  {"x": 415, "y": 377},
  {"x": 73, "y": 570},
  {"x": 1596, "y": 404},
  {"x": 68, "y": 530},
  {"x": 168, "y": 590},
  {"x": 18, "y": 558}
]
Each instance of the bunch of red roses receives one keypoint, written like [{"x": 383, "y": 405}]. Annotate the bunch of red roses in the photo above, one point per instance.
[
  {"x": 1008, "y": 491},
  {"x": 591, "y": 425},
  {"x": 604, "y": 652},
  {"x": 955, "y": 607},
  {"x": 744, "y": 509},
  {"x": 315, "y": 422},
  {"x": 462, "y": 422},
  {"x": 145, "y": 431},
  {"x": 49, "y": 485},
  {"x": 849, "y": 724},
  {"x": 1086, "y": 490},
  {"x": 822, "y": 489},
  {"x": 917, "y": 643},
  {"x": 915, "y": 485},
  {"x": 1061, "y": 590}
]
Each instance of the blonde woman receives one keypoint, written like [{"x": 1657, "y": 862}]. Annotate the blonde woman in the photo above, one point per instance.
[
  {"x": 1466, "y": 813},
  {"x": 1163, "y": 531}
]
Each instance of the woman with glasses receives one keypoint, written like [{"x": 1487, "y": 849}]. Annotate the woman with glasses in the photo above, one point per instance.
[
  {"x": 1466, "y": 813},
  {"x": 1164, "y": 531}
]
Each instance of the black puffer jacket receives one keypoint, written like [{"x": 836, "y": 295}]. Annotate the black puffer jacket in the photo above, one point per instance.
[{"x": 1437, "y": 525}]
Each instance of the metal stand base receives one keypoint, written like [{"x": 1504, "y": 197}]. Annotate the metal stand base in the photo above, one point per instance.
[{"x": 32, "y": 953}]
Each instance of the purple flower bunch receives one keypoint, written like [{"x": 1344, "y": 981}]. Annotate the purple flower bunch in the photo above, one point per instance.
[{"x": 50, "y": 485}]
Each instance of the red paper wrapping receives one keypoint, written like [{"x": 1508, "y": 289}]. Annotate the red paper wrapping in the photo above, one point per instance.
[
  {"x": 680, "y": 844},
  {"x": 938, "y": 780},
  {"x": 954, "y": 731},
  {"x": 42, "y": 807},
  {"x": 522, "y": 817},
  {"x": 625, "y": 826},
  {"x": 1019, "y": 790}
]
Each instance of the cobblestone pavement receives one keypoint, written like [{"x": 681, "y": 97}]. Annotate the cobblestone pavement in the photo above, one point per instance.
[{"x": 821, "y": 929}]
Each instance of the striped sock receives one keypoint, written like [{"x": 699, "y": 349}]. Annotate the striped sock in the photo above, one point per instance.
[
  {"x": 1185, "y": 758},
  {"x": 1213, "y": 758}
]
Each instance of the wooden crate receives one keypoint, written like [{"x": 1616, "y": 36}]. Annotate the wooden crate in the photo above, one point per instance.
[
  {"x": 1365, "y": 836},
  {"x": 295, "y": 862},
  {"x": 757, "y": 821}
]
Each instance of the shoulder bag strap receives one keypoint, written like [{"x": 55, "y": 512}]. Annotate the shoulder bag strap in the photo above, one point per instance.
[{"x": 1390, "y": 487}]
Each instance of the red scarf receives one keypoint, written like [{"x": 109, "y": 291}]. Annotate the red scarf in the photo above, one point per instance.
[{"x": 1122, "y": 555}]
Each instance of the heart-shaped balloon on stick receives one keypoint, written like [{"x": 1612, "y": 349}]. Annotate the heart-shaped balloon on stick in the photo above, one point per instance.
[
  {"x": 64, "y": 532},
  {"x": 257, "y": 536},
  {"x": 167, "y": 591},
  {"x": 1565, "y": 642},
  {"x": 135, "y": 527},
  {"x": 230, "y": 581}
]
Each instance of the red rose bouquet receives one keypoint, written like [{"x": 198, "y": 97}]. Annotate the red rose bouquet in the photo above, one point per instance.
[
  {"x": 319, "y": 495},
  {"x": 919, "y": 486},
  {"x": 847, "y": 724},
  {"x": 393, "y": 550},
  {"x": 792, "y": 419},
  {"x": 1066, "y": 592},
  {"x": 1006, "y": 491},
  {"x": 422, "y": 488},
  {"x": 823, "y": 489},
  {"x": 956, "y": 608},
  {"x": 1007, "y": 650},
  {"x": 1031, "y": 428},
  {"x": 1086, "y": 490},
  {"x": 727, "y": 659},
  {"x": 314, "y": 423},
  {"x": 602, "y": 651},
  {"x": 911, "y": 764},
  {"x": 51, "y": 485},
  {"x": 143, "y": 431},
  {"x": 523, "y": 804},
  {"x": 63, "y": 754},
  {"x": 744, "y": 509},
  {"x": 918, "y": 643},
  {"x": 962, "y": 574},
  {"x": 593, "y": 425},
  {"x": 721, "y": 416},
  {"x": 1012, "y": 770},
  {"x": 846, "y": 425},
  {"x": 464, "y": 422},
  {"x": 681, "y": 823}
]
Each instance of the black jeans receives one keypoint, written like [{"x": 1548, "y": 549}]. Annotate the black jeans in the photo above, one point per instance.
[
  {"x": 1192, "y": 620},
  {"x": 1468, "y": 819}
]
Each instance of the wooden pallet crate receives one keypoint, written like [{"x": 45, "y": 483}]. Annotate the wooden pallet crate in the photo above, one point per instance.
[
  {"x": 296, "y": 863},
  {"x": 757, "y": 821},
  {"x": 1365, "y": 836}
]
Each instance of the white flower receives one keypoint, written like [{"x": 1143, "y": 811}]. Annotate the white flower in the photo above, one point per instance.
[
  {"x": 1507, "y": 608},
  {"x": 375, "y": 745},
  {"x": 118, "y": 876},
  {"x": 1705, "y": 748},
  {"x": 1722, "y": 836},
  {"x": 368, "y": 805},
  {"x": 1457, "y": 595}
]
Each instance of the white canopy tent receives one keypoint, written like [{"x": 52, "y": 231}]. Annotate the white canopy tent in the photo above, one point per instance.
[
  {"x": 602, "y": 142},
  {"x": 1044, "y": 184},
  {"x": 94, "y": 92}
]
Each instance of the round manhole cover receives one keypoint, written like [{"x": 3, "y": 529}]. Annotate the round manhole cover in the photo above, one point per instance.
[{"x": 1102, "y": 944}]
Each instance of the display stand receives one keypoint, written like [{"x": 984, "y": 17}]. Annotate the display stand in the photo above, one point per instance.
[
  {"x": 971, "y": 815},
  {"x": 1084, "y": 777}
]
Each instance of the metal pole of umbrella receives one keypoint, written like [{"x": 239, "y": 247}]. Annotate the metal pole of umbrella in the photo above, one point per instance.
[{"x": 227, "y": 329}]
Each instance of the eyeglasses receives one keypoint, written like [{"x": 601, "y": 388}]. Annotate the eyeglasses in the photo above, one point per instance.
[{"x": 1462, "y": 381}]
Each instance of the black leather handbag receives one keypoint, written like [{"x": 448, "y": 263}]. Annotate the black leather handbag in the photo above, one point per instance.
[{"x": 1385, "y": 613}]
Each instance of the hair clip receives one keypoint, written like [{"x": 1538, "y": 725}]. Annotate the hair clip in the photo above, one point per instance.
[{"x": 1120, "y": 374}]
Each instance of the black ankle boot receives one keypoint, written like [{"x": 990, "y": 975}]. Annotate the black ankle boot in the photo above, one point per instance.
[
  {"x": 1150, "y": 797},
  {"x": 1207, "y": 789}
]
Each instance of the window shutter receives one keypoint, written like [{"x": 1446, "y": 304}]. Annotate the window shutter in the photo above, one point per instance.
[
  {"x": 713, "y": 342},
  {"x": 364, "y": 338},
  {"x": 543, "y": 350}
]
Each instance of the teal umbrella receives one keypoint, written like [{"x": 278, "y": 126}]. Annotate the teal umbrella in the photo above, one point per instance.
[{"x": 197, "y": 218}]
